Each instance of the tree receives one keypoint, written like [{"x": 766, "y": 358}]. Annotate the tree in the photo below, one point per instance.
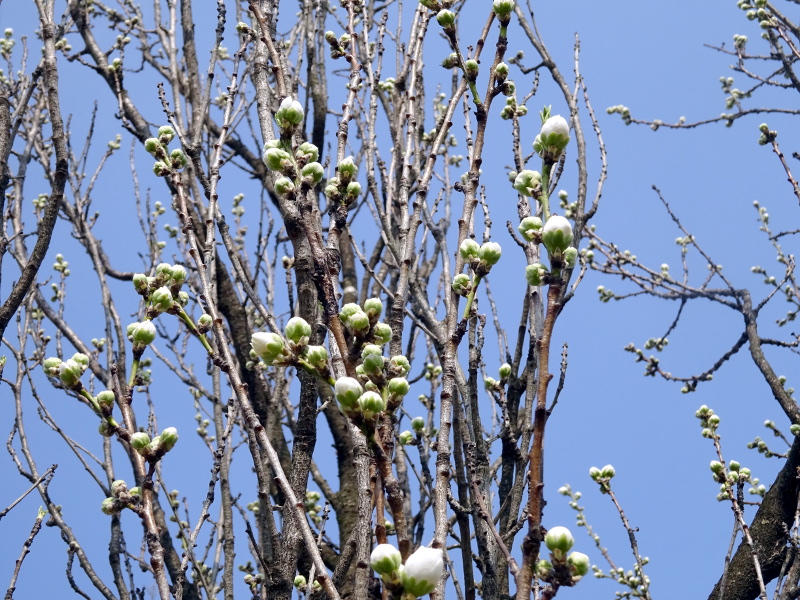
[{"x": 362, "y": 277}]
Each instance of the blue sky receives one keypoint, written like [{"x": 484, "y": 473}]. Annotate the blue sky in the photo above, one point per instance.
[{"x": 651, "y": 58}]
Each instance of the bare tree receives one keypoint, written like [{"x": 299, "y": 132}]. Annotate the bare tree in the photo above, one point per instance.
[{"x": 361, "y": 272}]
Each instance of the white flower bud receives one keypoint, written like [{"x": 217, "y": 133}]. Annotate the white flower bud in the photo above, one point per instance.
[
  {"x": 559, "y": 540},
  {"x": 422, "y": 571}
]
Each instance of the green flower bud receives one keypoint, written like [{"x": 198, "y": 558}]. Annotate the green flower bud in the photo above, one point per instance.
[
  {"x": 462, "y": 284},
  {"x": 503, "y": 9},
  {"x": 385, "y": 559},
  {"x": 505, "y": 371},
  {"x": 105, "y": 429},
  {"x": 528, "y": 182},
  {"x": 140, "y": 442},
  {"x": 734, "y": 465},
  {"x": 316, "y": 356},
  {"x": 161, "y": 169},
  {"x": 451, "y": 61},
  {"x": 300, "y": 582},
  {"x": 608, "y": 472},
  {"x": 143, "y": 334},
  {"x": 716, "y": 467},
  {"x": 431, "y": 4},
  {"x": 544, "y": 569},
  {"x": 136, "y": 492},
  {"x": 469, "y": 249},
  {"x": 571, "y": 257},
  {"x": 557, "y": 235},
  {"x": 359, "y": 322},
  {"x": 106, "y": 398},
  {"x": 178, "y": 159},
  {"x": 118, "y": 487},
  {"x": 490, "y": 253},
  {"x": 165, "y": 134},
  {"x": 382, "y": 333},
  {"x": 471, "y": 69},
  {"x": 289, "y": 114},
  {"x": 447, "y": 19},
  {"x": 268, "y": 346},
  {"x": 501, "y": 71},
  {"x": 284, "y": 186},
  {"x": 559, "y": 540},
  {"x": 153, "y": 146},
  {"x": 347, "y": 169},
  {"x": 178, "y": 274},
  {"x": 70, "y": 373},
  {"x": 81, "y": 359},
  {"x": 352, "y": 191},
  {"x": 307, "y": 153},
  {"x": 161, "y": 299},
  {"x": 168, "y": 439},
  {"x": 348, "y": 310},
  {"x": 370, "y": 404},
  {"x": 276, "y": 159},
  {"x": 418, "y": 424},
  {"x": 405, "y": 438},
  {"x": 373, "y": 364},
  {"x": 109, "y": 506},
  {"x": 312, "y": 173},
  {"x": 398, "y": 387},
  {"x": 489, "y": 383},
  {"x": 578, "y": 564},
  {"x": 52, "y": 366},
  {"x": 347, "y": 391},
  {"x": 399, "y": 366},
  {"x": 422, "y": 571},
  {"x": 204, "y": 323},
  {"x": 140, "y": 283},
  {"x": 373, "y": 307},
  {"x": 553, "y": 137},
  {"x": 298, "y": 331}
]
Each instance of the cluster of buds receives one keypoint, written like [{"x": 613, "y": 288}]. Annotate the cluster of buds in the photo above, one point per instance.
[
  {"x": 553, "y": 137},
  {"x": 338, "y": 45},
  {"x": 480, "y": 258},
  {"x": 155, "y": 449},
  {"x": 68, "y": 371},
  {"x": 709, "y": 421},
  {"x": 298, "y": 169},
  {"x": 162, "y": 291},
  {"x": 312, "y": 507},
  {"x": 414, "y": 579},
  {"x": 556, "y": 235},
  {"x": 364, "y": 322},
  {"x": 293, "y": 349},
  {"x": 166, "y": 162},
  {"x": 343, "y": 188},
  {"x": 511, "y": 108},
  {"x": 603, "y": 477},
  {"x": 121, "y": 498},
  {"x": 492, "y": 384},
  {"x": 562, "y": 568}
]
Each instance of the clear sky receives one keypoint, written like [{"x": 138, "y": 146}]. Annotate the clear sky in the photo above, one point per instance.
[{"x": 651, "y": 58}]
